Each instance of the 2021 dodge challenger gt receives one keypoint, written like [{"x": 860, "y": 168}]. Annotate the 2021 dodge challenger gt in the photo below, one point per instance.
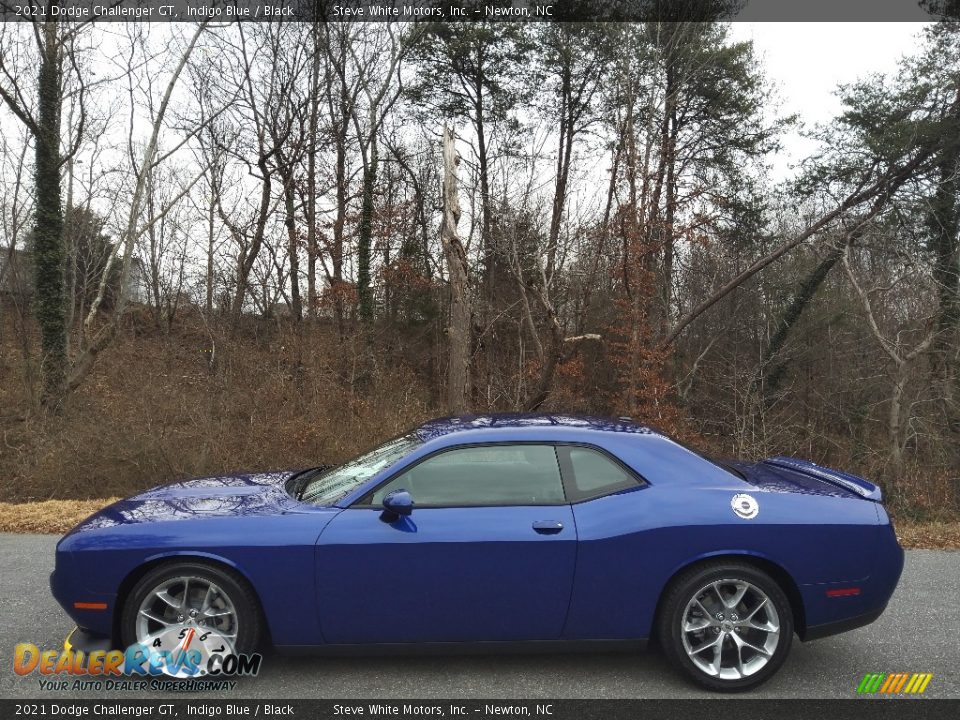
[{"x": 496, "y": 531}]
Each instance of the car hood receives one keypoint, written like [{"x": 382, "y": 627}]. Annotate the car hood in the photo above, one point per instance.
[{"x": 210, "y": 497}]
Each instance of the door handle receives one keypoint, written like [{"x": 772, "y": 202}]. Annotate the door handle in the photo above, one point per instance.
[{"x": 547, "y": 527}]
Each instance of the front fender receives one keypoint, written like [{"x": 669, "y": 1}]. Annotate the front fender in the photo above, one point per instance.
[{"x": 275, "y": 554}]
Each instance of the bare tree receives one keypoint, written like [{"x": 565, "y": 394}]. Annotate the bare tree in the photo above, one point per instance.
[
  {"x": 96, "y": 342},
  {"x": 458, "y": 329},
  {"x": 903, "y": 357},
  {"x": 57, "y": 57}
]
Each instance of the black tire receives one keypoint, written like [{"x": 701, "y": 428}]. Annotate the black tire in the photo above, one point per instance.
[
  {"x": 691, "y": 584},
  {"x": 241, "y": 595}
]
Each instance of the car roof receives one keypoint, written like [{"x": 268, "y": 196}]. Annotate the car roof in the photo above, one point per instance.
[{"x": 433, "y": 429}]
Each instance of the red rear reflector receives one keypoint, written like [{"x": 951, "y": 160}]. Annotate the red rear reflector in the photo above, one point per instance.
[
  {"x": 90, "y": 606},
  {"x": 843, "y": 592}
]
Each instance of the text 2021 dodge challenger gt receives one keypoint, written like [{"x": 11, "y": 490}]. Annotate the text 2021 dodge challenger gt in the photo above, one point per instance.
[{"x": 486, "y": 531}]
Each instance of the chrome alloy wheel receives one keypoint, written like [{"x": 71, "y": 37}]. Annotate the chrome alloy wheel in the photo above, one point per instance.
[
  {"x": 183, "y": 603},
  {"x": 730, "y": 629}
]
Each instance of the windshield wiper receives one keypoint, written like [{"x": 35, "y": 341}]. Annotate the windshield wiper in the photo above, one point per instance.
[{"x": 304, "y": 479}]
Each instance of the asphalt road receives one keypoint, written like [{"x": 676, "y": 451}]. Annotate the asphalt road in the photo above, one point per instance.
[{"x": 919, "y": 632}]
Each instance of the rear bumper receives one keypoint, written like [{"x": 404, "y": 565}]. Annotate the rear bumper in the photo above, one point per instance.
[
  {"x": 828, "y": 614},
  {"x": 817, "y": 632}
]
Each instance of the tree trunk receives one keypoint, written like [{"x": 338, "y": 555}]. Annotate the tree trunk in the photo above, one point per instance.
[
  {"x": 208, "y": 300},
  {"x": 336, "y": 255},
  {"x": 483, "y": 169},
  {"x": 311, "y": 204},
  {"x": 602, "y": 239},
  {"x": 153, "y": 240},
  {"x": 895, "y": 420},
  {"x": 458, "y": 331},
  {"x": 290, "y": 220},
  {"x": 564, "y": 153},
  {"x": 770, "y": 380},
  {"x": 48, "y": 246},
  {"x": 550, "y": 357},
  {"x": 365, "y": 240},
  {"x": 670, "y": 152},
  {"x": 249, "y": 258}
]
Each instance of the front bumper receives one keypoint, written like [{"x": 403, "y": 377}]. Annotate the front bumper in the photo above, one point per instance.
[{"x": 96, "y": 616}]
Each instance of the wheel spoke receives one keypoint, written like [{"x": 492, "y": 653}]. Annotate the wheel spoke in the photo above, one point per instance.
[
  {"x": 165, "y": 596},
  {"x": 152, "y": 616},
  {"x": 741, "y": 643},
  {"x": 703, "y": 609},
  {"x": 185, "y": 600},
  {"x": 716, "y": 590},
  {"x": 760, "y": 605},
  {"x": 205, "y": 605},
  {"x": 734, "y": 600},
  {"x": 707, "y": 645},
  {"x": 219, "y": 613},
  {"x": 717, "y": 663},
  {"x": 767, "y": 627},
  {"x": 697, "y": 624}
]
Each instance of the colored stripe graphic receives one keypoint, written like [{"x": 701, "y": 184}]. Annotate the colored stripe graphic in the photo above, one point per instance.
[
  {"x": 922, "y": 685},
  {"x": 890, "y": 682},
  {"x": 894, "y": 683},
  {"x": 897, "y": 683},
  {"x": 871, "y": 682}
]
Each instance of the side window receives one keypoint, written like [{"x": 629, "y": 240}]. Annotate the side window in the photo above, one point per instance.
[
  {"x": 483, "y": 475},
  {"x": 595, "y": 474}
]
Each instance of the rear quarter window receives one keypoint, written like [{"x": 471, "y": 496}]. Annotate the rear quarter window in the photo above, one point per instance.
[{"x": 595, "y": 474}]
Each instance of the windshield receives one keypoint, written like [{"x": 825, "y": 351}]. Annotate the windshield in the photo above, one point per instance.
[{"x": 330, "y": 485}]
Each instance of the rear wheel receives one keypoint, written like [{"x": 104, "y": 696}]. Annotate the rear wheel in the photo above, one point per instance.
[
  {"x": 726, "y": 625},
  {"x": 187, "y": 596}
]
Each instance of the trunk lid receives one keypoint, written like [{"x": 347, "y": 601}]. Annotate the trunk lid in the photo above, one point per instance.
[{"x": 788, "y": 474}]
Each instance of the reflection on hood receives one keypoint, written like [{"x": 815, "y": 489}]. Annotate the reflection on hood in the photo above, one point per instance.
[{"x": 232, "y": 495}]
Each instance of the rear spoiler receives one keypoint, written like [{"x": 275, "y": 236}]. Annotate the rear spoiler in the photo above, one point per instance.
[{"x": 854, "y": 484}]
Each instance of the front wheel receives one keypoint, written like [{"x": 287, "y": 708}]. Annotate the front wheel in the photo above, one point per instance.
[
  {"x": 726, "y": 625},
  {"x": 182, "y": 600}
]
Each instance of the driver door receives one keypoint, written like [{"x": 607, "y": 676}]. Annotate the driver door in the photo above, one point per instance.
[{"x": 486, "y": 555}]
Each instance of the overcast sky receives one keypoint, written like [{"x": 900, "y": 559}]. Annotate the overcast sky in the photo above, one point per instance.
[{"x": 808, "y": 60}]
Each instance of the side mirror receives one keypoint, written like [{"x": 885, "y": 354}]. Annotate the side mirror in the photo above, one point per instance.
[{"x": 399, "y": 503}]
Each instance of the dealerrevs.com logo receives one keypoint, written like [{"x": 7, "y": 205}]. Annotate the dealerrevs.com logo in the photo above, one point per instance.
[
  {"x": 190, "y": 656},
  {"x": 903, "y": 683}
]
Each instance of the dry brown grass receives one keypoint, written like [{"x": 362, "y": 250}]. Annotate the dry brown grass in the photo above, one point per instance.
[
  {"x": 929, "y": 535},
  {"x": 49, "y": 516}
]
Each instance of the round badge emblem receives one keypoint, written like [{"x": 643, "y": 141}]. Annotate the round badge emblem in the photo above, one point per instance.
[{"x": 745, "y": 506}]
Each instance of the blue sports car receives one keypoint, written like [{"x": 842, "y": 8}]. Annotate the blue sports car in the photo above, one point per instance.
[{"x": 494, "y": 531}]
